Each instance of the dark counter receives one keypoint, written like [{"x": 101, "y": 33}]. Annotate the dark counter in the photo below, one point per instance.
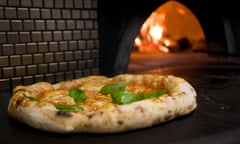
[{"x": 215, "y": 121}]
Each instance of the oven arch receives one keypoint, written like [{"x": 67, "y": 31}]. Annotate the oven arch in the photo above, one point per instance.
[{"x": 123, "y": 24}]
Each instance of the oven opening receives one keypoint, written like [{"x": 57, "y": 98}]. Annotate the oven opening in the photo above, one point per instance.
[
  {"x": 172, "y": 27},
  {"x": 171, "y": 37},
  {"x": 152, "y": 34}
]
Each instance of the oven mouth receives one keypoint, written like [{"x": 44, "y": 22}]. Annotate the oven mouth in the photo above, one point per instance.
[{"x": 121, "y": 29}]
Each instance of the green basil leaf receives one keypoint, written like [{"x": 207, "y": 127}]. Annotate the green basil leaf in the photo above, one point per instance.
[
  {"x": 153, "y": 94},
  {"x": 113, "y": 87},
  {"x": 120, "y": 95},
  {"x": 31, "y": 97},
  {"x": 78, "y": 95},
  {"x": 124, "y": 97},
  {"x": 68, "y": 108}
]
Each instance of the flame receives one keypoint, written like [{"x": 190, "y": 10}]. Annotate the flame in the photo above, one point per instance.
[
  {"x": 163, "y": 49},
  {"x": 151, "y": 34},
  {"x": 137, "y": 41},
  {"x": 167, "y": 42},
  {"x": 156, "y": 33},
  {"x": 164, "y": 29}
]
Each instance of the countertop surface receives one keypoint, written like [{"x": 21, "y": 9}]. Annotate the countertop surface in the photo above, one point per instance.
[{"x": 215, "y": 121}]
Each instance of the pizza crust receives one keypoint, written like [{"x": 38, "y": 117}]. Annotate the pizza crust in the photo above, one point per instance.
[{"x": 180, "y": 100}]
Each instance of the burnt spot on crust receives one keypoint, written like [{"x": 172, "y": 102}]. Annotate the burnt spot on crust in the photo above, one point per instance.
[
  {"x": 120, "y": 122},
  {"x": 118, "y": 110},
  {"x": 140, "y": 108},
  {"x": 191, "y": 107},
  {"x": 19, "y": 90},
  {"x": 169, "y": 112},
  {"x": 179, "y": 94},
  {"x": 167, "y": 117},
  {"x": 19, "y": 101},
  {"x": 64, "y": 114},
  {"x": 92, "y": 115},
  {"x": 183, "y": 93},
  {"x": 193, "y": 91}
]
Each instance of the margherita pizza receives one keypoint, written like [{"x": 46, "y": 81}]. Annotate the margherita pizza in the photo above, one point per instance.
[{"x": 99, "y": 104}]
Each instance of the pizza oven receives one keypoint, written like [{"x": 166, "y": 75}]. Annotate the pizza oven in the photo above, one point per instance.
[
  {"x": 213, "y": 29},
  {"x": 56, "y": 40}
]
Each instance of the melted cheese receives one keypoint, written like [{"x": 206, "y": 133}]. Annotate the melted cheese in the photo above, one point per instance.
[
  {"x": 93, "y": 102},
  {"x": 59, "y": 93},
  {"x": 139, "y": 88},
  {"x": 58, "y": 97}
]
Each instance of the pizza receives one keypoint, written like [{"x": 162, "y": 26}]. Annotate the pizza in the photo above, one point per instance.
[{"x": 100, "y": 104}]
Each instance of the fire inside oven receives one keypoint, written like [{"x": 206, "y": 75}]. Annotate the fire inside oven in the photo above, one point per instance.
[
  {"x": 167, "y": 28},
  {"x": 172, "y": 27}
]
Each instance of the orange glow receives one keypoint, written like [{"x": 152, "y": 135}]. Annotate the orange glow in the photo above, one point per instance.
[
  {"x": 167, "y": 42},
  {"x": 167, "y": 26},
  {"x": 151, "y": 34},
  {"x": 156, "y": 33},
  {"x": 163, "y": 49},
  {"x": 137, "y": 41}
]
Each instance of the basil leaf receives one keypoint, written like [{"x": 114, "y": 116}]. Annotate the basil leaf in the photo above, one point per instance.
[
  {"x": 77, "y": 94},
  {"x": 124, "y": 97},
  {"x": 113, "y": 87},
  {"x": 31, "y": 97},
  {"x": 153, "y": 94},
  {"x": 68, "y": 108},
  {"x": 120, "y": 95}
]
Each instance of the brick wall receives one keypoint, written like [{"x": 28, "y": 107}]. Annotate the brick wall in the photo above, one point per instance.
[{"x": 47, "y": 40}]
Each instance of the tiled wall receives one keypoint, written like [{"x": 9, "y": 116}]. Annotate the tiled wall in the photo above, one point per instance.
[{"x": 47, "y": 40}]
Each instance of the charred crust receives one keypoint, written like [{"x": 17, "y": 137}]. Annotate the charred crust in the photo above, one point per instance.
[
  {"x": 19, "y": 101},
  {"x": 167, "y": 118},
  {"x": 141, "y": 109},
  {"x": 118, "y": 110},
  {"x": 19, "y": 90},
  {"x": 182, "y": 93},
  {"x": 191, "y": 107},
  {"x": 169, "y": 111},
  {"x": 64, "y": 113},
  {"x": 101, "y": 112},
  {"x": 120, "y": 122},
  {"x": 92, "y": 115},
  {"x": 193, "y": 91}
]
